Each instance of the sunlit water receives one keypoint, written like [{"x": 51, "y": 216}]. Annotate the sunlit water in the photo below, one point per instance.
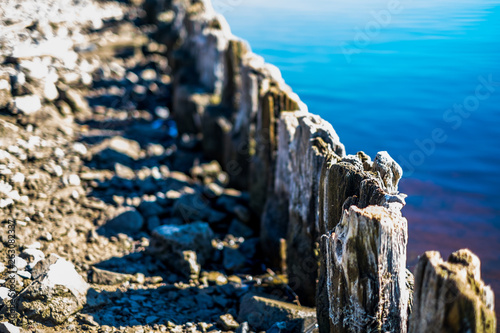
[{"x": 388, "y": 73}]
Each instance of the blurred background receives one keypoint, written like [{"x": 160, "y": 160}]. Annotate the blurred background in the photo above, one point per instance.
[{"x": 420, "y": 79}]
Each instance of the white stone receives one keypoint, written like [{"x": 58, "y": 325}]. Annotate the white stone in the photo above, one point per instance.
[
  {"x": 86, "y": 79},
  {"x": 162, "y": 112},
  {"x": 74, "y": 180},
  {"x": 18, "y": 178},
  {"x": 4, "y": 294},
  {"x": 50, "y": 91},
  {"x": 6, "y": 327},
  {"x": 58, "y": 171},
  {"x": 58, "y": 152},
  {"x": 14, "y": 195},
  {"x": 4, "y": 85},
  {"x": 35, "y": 68},
  {"x": 6, "y": 202},
  {"x": 35, "y": 245},
  {"x": 5, "y": 188},
  {"x": 20, "y": 263},
  {"x": 63, "y": 273},
  {"x": 34, "y": 141},
  {"x": 71, "y": 78},
  {"x": 28, "y": 104},
  {"x": 80, "y": 148},
  {"x": 14, "y": 149},
  {"x": 24, "y": 274}
]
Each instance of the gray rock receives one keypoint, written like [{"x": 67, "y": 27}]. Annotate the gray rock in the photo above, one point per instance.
[
  {"x": 172, "y": 244},
  {"x": 193, "y": 207},
  {"x": 249, "y": 247},
  {"x": 57, "y": 292},
  {"x": 20, "y": 263},
  {"x": 96, "y": 299},
  {"x": 126, "y": 219},
  {"x": 101, "y": 276},
  {"x": 43, "y": 266},
  {"x": 262, "y": 312},
  {"x": 213, "y": 190},
  {"x": 239, "y": 229},
  {"x": 150, "y": 208}
]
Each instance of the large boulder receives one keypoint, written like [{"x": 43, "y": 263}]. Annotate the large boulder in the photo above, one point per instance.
[{"x": 56, "y": 292}]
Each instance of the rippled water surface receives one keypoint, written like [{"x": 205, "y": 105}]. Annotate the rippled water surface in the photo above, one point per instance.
[{"x": 402, "y": 76}]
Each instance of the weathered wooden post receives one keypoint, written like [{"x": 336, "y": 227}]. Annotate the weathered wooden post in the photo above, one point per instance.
[
  {"x": 450, "y": 296},
  {"x": 366, "y": 273}
]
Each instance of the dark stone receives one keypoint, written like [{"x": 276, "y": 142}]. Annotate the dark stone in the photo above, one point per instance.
[
  {"x": 193, "y": 207},
  {"x": 126, "y": 220},
  {"x": 150, "y": 208},
  {"x": 239, "y": 229},
  {"x": 233, "y": 259}
]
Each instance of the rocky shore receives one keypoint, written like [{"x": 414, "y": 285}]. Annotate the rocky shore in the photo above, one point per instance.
[{"x": 158, "y": 176}]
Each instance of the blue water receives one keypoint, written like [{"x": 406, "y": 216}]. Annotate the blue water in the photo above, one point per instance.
[{"x": 396, "y": 84}]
